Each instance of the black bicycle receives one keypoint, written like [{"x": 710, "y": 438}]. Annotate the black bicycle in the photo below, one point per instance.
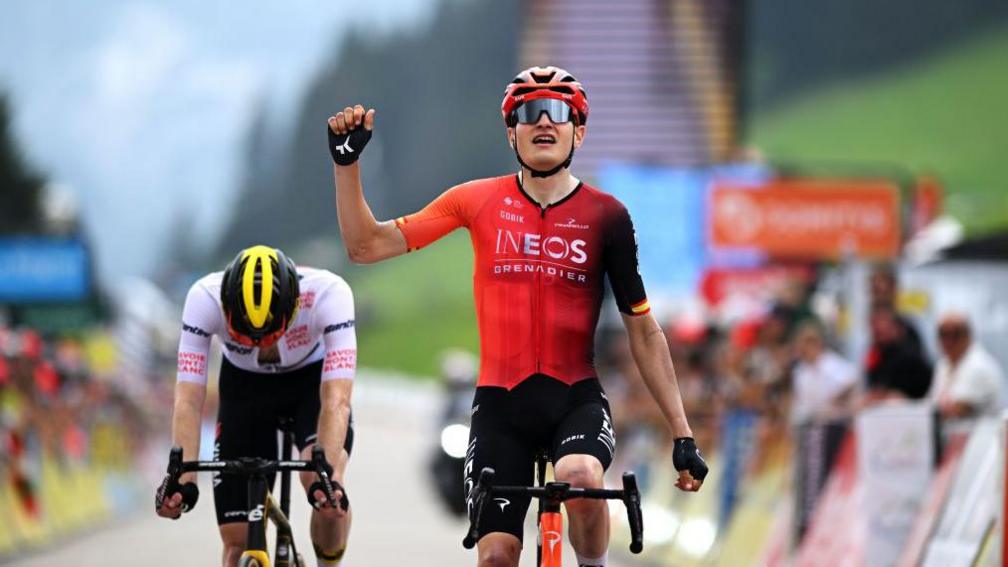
[
  {"x": 549, "y": 519},
  {"x": 261, "y": 505}
]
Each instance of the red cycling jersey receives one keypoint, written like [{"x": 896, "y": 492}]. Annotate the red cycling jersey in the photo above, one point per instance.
[{"x": 538, "y": 273}]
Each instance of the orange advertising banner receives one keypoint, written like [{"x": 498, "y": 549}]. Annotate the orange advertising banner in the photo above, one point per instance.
[{"x": 808, "y": 218}]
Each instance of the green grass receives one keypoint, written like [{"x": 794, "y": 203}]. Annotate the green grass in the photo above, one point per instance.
[
  {"x": 946, "y": 115},
  {"x": 411, "y": 308}
]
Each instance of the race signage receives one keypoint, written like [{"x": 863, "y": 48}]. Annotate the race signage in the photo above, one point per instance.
[
  {"x": 807, "y": 218},
  {"x": 43, "y": 270}
]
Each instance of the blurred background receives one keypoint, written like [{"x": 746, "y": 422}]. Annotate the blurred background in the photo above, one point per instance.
[{"x": 821, "y": 207}]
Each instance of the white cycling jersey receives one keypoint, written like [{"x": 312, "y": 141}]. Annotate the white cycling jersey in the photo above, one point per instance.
[{"x": 322, "y": 329}]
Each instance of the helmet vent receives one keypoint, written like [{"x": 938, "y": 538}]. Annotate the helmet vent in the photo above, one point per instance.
[
  {"x": 543, "y": 78},
  {"x": 257, "y": 288},
  {"x": 521, "y": 91}
]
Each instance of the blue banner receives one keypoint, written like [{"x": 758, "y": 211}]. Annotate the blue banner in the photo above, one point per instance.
[
  {"x": 43, "y": 270},
  {"x": 669, "y": 210}
]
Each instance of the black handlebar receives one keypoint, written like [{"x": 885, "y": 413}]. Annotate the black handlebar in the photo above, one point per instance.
[
  {"x": 248, "y": 466},
  {"x": 558, "y": 492}
]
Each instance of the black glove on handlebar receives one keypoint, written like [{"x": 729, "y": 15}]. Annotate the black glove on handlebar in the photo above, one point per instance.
[
  {"x": 343, "y": 502},
  {"x": 346, "y": 148},
  {"x": 686, "y": 457},
  {"x": 169, "y": 486}
]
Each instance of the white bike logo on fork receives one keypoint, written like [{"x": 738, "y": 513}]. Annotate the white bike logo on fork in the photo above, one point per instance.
[{"x": 554, "y": 538}]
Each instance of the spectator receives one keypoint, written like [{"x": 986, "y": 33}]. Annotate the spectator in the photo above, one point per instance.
[
  {"x": 884, "y": 288},
  {"x": 766, "y": 366},
  {"x": 823, "y": 381},
  {"x": 894, "y": 368},
  {"x": 967, "y": 380}
]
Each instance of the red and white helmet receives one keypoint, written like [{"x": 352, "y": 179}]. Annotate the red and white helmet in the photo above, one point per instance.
[{"x": 545, "y": 82}]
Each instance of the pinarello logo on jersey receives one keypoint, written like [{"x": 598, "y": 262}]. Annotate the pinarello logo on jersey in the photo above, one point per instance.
[
  {"x": 533, "y": 244},
  {"x": 571, "y": 223}
]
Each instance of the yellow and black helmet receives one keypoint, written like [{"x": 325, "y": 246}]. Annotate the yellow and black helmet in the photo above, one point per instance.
[{"x": 259, "y": 293}]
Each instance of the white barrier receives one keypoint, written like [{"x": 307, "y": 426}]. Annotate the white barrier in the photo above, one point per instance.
[
  {"x": 895, "y": 461},
  {"x": 974, "y": 503}
]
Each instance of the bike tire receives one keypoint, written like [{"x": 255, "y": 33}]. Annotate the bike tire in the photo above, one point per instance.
[{"x": 249, "y": 562}]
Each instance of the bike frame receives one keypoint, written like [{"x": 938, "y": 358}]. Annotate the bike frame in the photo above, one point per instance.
[
  {"x": 268, "y": 510},
  {"x": 259, "y": 515},
  {"x": 550, "y": 533},
  {"x": 550, "y": 519}
]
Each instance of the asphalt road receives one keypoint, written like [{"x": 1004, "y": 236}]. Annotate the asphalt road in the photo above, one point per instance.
[{"x": 397, "y": 520}]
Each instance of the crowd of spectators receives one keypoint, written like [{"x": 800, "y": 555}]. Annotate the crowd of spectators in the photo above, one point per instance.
[
  {"x": 53, "y": 407},
  {"x": 747, "y": 384}
]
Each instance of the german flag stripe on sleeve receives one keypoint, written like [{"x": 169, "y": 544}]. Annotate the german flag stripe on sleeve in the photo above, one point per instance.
[{"x": 641, "y": 307}]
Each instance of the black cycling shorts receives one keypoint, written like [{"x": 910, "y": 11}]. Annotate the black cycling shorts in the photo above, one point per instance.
[
  {"x": 509, "y": 428},
  {"x": 251, "y": 407}
]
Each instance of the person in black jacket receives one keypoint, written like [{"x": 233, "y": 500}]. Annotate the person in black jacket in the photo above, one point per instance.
[
  {"x": 883, "y": 287},
  {"x": 895, "y": 365}
]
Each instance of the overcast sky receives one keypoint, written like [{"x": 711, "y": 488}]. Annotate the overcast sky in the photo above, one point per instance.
[{"x": 140, "y": 109}]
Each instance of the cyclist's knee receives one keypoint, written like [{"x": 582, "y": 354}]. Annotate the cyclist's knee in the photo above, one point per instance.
[
  {"x": 233, "y": 538},
  {"x": 583, "y": 471},
  {"x": 499, "y": 550},
  {"x": 498, "y": 557},
  {"x": 232, "y": 555}
]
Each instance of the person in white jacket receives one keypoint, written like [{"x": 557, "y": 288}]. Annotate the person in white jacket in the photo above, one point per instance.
[
  {"x": 968, "y": 382},
  {"x": 824, "y": 382}
]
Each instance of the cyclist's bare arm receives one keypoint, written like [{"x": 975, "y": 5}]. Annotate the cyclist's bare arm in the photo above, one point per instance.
[
  {"x": 367, "y": 241},
  {"x": 333, "y": 420},
  {"x": 186, "y": 420},
  {"x": 332, "y": 430},
  {"x": 651, "y": 353}
]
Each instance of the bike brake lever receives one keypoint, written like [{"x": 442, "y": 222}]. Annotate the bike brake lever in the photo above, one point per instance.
[
  {"x": 321, "y": 469},
  {"x": 632, "y": 501},
  {"x": 479, "y": 495},
  {"x": 175, "y": 462}
]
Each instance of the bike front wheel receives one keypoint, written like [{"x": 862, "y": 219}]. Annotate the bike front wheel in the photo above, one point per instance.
[{"x": 249, "y": 562}]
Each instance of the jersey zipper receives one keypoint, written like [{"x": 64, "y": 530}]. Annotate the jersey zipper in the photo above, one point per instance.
[{"x": 538, "y": 318}]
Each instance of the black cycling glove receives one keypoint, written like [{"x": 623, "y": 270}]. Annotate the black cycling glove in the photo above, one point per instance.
[
  {"x": 169, "y": 486},
  {"x": 686, "y": 457},
  {"x": 343, "y": 502},
  {"x": 346, "y": 148}
]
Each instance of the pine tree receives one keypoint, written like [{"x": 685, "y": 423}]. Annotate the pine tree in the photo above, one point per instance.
[{"x": 20, "y": 186}]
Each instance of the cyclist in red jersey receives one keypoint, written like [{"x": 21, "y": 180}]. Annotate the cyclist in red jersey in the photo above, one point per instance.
[{"x": 544, "y": 242}]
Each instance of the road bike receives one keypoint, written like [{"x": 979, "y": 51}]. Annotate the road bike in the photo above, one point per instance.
[
  {"x": 262, "y": 507},
  {"x": 549, "y": 518}
]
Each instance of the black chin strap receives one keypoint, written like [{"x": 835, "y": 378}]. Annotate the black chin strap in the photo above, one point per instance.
[{"x": 548, "y": 172}]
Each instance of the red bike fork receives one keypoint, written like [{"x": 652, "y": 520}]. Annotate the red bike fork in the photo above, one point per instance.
[{"x": 551, "y": 537}]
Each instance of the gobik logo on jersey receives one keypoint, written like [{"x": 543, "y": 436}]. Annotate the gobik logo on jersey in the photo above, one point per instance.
[{"x": 532, "y": 244}]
